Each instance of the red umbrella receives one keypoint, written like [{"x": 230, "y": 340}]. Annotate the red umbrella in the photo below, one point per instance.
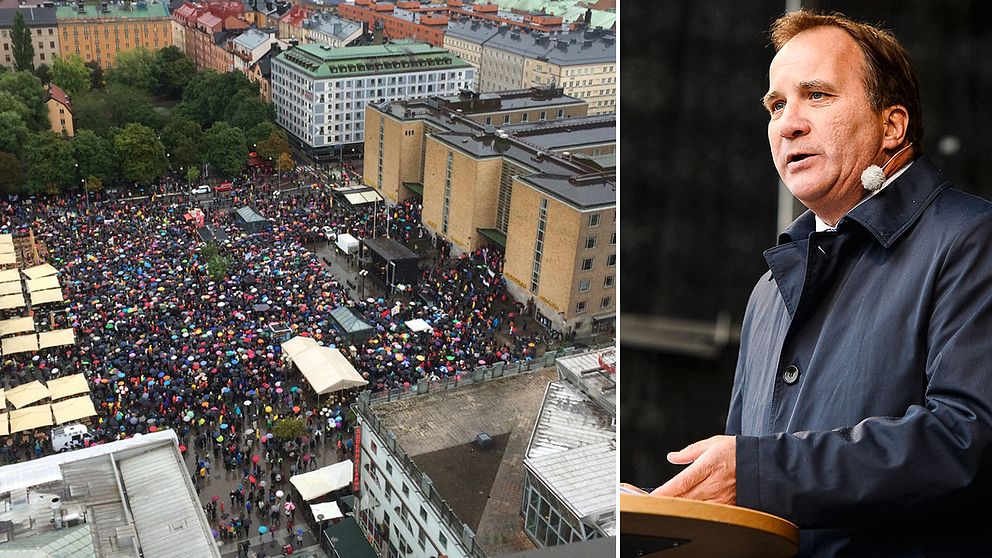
[
  {"x": 182, "y": 449},
  {"x": 254, "y": 459},
  {"x": 252, "y": 479}
]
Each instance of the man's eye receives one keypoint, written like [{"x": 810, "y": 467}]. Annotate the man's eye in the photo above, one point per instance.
[
  {"x": 817, "y": 96},
  {"x": 778, "y": 105}
]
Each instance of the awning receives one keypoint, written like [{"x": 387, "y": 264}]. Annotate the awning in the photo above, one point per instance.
[
  {"x": 56, "y": 338},
  {"x": 347, "y": 540},
  {"x": 26, "y": 394},
  {"x": 494, "y": 235},
  {"x": 324, "y": 480},
  {"x": 19, "y": 344},
  {"x": 16, "y": 325},
  {"x": 69, "y": 385},
  {"x": 297, "y": 345},
  {"x": 73, "y": 409},
  {"x": 358, "y": 198},
  {"x": 10, "y": 287},
  {"x": 4, "y": 424},
  {"x": 415, "y": 187},
  {"x": 8, "y": 275},
  {"x": 419, "y": 325},
  {"x": 325, "y": 511},
  {"x": 38, "y": 271},
  {"x": 11, "y": 301},
  {"x": 8, "y": 258},
  {"x": 42, "y": 283},
  {"x": 3, "y": 400},
  {"x": 31, "y": 417},
  {"x": 45, "y": 296}
]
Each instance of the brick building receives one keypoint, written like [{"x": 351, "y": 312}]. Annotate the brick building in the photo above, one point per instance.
[
  {"x": 206, "y": 30},
  {"x": 402, "y": 20},
  {"x": 535, "y": 169},
  {"x": 100, "y": 31}
]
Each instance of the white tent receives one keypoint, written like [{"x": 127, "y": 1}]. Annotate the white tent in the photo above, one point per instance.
[
  {"x": 45, "y": 296},
  {"x": 10, "y": 287},
  {"x": 19, "y": 344},
  {"x": 327, "y": 370},
  {"x": 359, "y": 198},
  {"x": 68, "y": 385},
  {"x": 56, "y": 338},
  {"x": 42, "y": 283},
  {"x": 347, "y": 243},
  {"x": 326, "y": 511},
  {"x": 73, "y": 409},
  {"x": 11, "y": 301},
  {"x": 419, "y": 325},
  {"x": 16, "y": 325},
  {"x": 39, "y": 271},
  {"x": 327, "y": 479},
  {"x": 26, "y": 394},
  {"x": 8, "y": 275},
  {"x": 30, "y": 417}
]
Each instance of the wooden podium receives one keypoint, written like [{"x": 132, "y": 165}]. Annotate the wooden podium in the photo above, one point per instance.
[{"x": 678, "y": 528}]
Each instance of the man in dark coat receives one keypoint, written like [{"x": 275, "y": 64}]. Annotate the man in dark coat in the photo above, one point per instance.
[{"x": 862, "y": 404}]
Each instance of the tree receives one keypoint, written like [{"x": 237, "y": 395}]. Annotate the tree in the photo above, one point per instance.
[
  {"x": 93, "y": 184},
  {"x": 12, "y": 177},
  {"x": 260, "y": 133},
  {"x": 128, "y": 105},
  {"x": 92, "y": 112},
  {"x": 274, "y": 145},
  {"x": 209, "y": 94},
  {"x": 289, "y": 429},
  {"x": 192, "y": 173},
  {"x": 140, "y": 153},
  {"x": 71, "y": 75},
  {"x": 247, "y": 110},
  {"x": 284, "y": 164},
  {"x": 27, "y": 88},
  {"x": 225, "y": 149},
  {"x": 48, "y": 161},
  {"x": 134, "y": 69},
  {"x": 13, "y": 132},
  {"x": 96, "y": 74},
  {"x": 94, "y": 155},
  {"x": 22, "y": 46},
  {"x": 172, "y": 70},
  {"x": 44, "y": 73},
  {"x": 183, "y": 138}
]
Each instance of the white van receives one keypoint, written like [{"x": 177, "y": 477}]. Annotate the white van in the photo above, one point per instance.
[{"x": 70, "y": 437}]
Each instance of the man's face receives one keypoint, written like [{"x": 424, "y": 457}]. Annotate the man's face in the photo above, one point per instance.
[{"x": 823, "y": 132}]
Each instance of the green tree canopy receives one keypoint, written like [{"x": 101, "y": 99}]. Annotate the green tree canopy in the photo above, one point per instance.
[
  {"x": 289, "y": 429},
  {"x": 94, "y": 155},
  {"x": 134, "y": 69},
  {"x": 128, "y": 104},
  {"x": 10, "y": 103},
  {"x": 27, "y": 88},
  {"x": 172, "y": 70},
  {"x": 13, "y": 132},
  {"x": 274, "y": 145},
  {"x": 96, "y": 74},
  {"x": 260, "y": 133},
  {"x": 44, "y": 73},
  {"x": 225, "y": 148},
  {"x": 183, "y": 138},
  {"x": 22, "y": 46},
  {"x": 140, "y": 153},
  {"x": 12, "y": 177},
  {"x": 71, "y": 75},
  {"x": 92, "y": 112},
  {"x": 209, "y": 94},
  {"x": 48, "y": 163},
  {"x": 247, "y": 110}
]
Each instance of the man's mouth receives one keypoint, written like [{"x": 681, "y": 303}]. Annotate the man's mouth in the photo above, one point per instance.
[{"x": 797, "y": 157}]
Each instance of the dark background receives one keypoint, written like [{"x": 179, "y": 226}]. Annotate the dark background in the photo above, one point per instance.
[{"x": 698, "y": 196}]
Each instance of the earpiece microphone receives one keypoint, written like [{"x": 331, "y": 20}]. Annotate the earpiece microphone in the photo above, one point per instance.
[{"x": 874, "y": 176}]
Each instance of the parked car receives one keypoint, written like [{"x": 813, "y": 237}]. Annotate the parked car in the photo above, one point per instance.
[
  {"x": 204, "y": 189},
  {"x": 224, "y": 187}
]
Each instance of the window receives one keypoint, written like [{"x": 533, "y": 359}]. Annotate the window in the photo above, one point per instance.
[
  {"x": 594, "y": 220},
  {"x": 423, "y": 513},
  {"x": 580, "y": 307},
  {"x": 561, "y": 112},
  {"x": 489, "y": 119},
  {"x": 590, "y": 242},
  {"x": 608, "y": 281},
  {"x": 605, "y": 302},
  {"x": 506, "y": 119},
  {"x": 543, "y": 116},
  {"x": 389, "y": 467},
  {"x": 406, "y": 490},
  {"x": 442, "y": 540},
  {"x": 523, "y": 117},
  {"x": 587, "y": 264},
  {"x": 583, "y": 285},
  {"x": 611, "y": 260},
  {"x": 375, "y": 448},
  {"x": 422, "y": 537},
  {"x": 613, "y": 238}
]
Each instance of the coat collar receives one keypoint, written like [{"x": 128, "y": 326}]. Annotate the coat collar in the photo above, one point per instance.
[{"x": 888, "y": 214}]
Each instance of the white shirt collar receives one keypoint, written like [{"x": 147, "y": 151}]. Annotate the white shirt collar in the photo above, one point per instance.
[{"x": 821, "y": 225}]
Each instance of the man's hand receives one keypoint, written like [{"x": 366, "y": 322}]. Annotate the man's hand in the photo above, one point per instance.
[{"x": 712, "y": 475}]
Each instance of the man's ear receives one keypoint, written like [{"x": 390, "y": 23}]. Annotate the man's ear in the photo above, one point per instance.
[{"x": 895, "y": 121}]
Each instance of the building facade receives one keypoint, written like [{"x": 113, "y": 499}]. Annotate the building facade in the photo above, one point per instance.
[
  {"x": 59, "y": 111},
  {"x": 582, "y": 62},
  {"x": 401, "y": 20},
  {"x": 326, "y": 28},
  {"x": 249, "y": 46},
  {"x": 41, "y": 23},
  {"x": 99, "y": 32},
  {"x": 207, "y": 30},
  {"x": 512, "y": 178},
  {"x": 320, "y": 92}
]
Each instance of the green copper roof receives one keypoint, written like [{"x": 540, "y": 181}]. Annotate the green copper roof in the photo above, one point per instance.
[
  {"x": 150, "y": 10},
  {"x": 322, "y": 61}
]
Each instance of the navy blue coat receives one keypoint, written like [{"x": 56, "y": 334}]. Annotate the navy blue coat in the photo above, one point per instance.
[{"x": 862, "y": 402}]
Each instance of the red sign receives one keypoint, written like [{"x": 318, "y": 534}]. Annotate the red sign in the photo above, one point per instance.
[{"x": 358, "y": 458}]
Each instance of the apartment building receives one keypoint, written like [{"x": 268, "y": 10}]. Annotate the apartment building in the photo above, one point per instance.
[
  {"x": 98, "y": 32},
  {"x": 41, "y": 23}
]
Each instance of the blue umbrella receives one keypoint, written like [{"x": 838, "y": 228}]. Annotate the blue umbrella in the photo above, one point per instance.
[{"x": 262, "y": 529}]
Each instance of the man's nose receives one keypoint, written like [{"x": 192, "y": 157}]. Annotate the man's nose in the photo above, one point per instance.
[{"x": 793, "y": 123}]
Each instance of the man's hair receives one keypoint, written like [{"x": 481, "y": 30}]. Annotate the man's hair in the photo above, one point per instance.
[{"x": 890, "y": 78}]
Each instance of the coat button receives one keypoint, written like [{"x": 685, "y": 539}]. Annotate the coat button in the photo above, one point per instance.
[{"x": 790, "y": 374}]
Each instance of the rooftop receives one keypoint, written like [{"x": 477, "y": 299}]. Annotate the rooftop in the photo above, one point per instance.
[
  {"x": 520, "y": 99},
  {"x": 331, "y": 25},
  {"x": 323, "y": 61},
  {"x": 569, "y": 10},
  {"x": 572, "y": 48},
  {"x": 426, "y": 425},
  {"x": 123, "y": 499},
  {"x": 137, "y": 10},
  {"x": 33, "y": 17},
  {"x": 571, "y": 179},
  {"x": 252, "y": 38}
]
